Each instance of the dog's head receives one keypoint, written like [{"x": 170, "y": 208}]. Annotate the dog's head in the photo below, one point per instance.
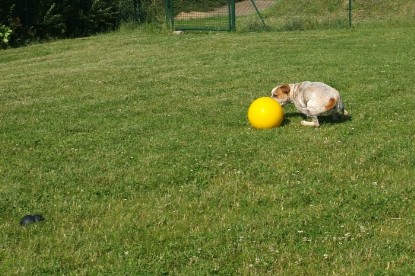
[{"x": 281, "y": 94}]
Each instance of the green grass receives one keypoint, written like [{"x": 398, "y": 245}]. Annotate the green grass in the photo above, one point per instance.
[{"x": 136, "y": 149}]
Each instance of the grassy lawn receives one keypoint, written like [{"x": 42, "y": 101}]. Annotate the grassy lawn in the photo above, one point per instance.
[{"x": 136, "y": 149}]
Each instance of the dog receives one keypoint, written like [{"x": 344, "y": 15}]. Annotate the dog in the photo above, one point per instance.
[{"x": 312, "y": 99}]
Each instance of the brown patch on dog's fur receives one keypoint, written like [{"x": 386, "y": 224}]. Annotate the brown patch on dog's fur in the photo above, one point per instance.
[
  {"x": 332, "y": 102},
  {"x": 285, "y": 88},
  {"x": 282, "y": 92}
]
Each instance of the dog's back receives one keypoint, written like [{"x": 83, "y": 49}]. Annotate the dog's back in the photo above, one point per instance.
[{"x": 320, "y": 98}]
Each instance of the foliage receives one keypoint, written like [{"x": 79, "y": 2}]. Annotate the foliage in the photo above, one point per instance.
[
  {"x": 44, "y": 19},
  {"x": 5, "y": 33}
]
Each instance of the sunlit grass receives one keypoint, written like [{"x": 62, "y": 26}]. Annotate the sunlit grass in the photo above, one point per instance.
[{"x": 136, "y": 149}]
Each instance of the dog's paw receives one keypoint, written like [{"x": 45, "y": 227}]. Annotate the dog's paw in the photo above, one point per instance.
[
  {"x": 345, "y": 113},
  {"x": 312, "y": 124}
]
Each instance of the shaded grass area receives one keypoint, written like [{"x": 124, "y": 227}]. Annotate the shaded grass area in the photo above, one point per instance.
[{"x": 136, "y": 149}]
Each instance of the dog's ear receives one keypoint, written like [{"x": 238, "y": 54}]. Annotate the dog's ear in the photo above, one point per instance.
[{"x": 285, "y": 88}]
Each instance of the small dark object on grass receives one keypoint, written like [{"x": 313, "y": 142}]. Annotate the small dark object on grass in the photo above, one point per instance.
[
  {"x": 28, "y": 219},
  {"x": 38, "y": 218}
]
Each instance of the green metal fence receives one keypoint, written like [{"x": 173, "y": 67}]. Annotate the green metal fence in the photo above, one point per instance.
[
  {"x": 222, "y": 18},
  {"x": 287, "y": 15},
  {"x": 217, "y": 19}
]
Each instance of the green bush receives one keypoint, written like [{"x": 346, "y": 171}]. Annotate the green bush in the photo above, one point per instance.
[
  {"x": 32, "y": 20},
  {"x": 5, "y": 33}
]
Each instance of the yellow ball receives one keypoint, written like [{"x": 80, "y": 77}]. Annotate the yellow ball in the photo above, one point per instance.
[{"x": 265, "y": 113}]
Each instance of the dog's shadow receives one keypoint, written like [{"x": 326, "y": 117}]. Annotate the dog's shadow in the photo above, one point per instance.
[{"x": 322, "y": 119}]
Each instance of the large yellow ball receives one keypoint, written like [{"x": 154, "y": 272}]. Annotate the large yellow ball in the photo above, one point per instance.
[{"x": 265, "y": 113}]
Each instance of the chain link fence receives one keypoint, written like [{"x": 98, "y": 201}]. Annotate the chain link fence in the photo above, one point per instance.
[
  {"x": 215, "y": 18},
  {"x": 288, "y": 15},
  {"x": 303, "y": 14}
]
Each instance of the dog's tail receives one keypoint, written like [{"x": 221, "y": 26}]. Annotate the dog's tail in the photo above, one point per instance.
[
  {"x": 338, "y": 104},
  {"x": 331, "y": 104}
]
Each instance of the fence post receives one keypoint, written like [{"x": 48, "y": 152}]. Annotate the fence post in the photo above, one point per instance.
[
  {"x": 259, "y": 14},
  {"x": 350, "y": 13},
  {"x": 168, "y": 9},
  {"x": 233, "y": 16}
]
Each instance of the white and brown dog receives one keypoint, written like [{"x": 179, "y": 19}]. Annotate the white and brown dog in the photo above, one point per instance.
[{"x": 311, "y": 98}]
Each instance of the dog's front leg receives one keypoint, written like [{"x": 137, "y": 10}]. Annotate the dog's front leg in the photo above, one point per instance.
[{"x": 313, "y": 123}]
